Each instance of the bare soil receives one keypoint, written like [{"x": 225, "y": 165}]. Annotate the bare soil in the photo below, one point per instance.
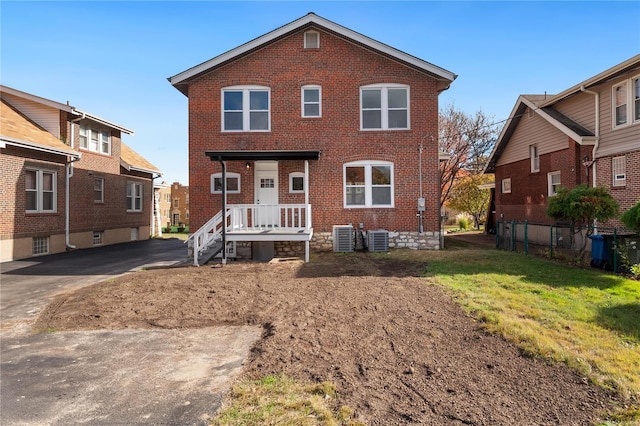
[{"x": 398, "y": 348}]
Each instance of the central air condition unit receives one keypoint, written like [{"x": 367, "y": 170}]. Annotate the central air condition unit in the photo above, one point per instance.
[
  {"x": 342, "y": 238},
  {"x": 378, "y": 240}
]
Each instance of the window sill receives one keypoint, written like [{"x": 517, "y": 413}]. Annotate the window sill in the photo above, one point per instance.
[{"x": 35, "y": 214}]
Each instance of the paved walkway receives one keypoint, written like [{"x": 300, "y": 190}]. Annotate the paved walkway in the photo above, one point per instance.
[{"x": 115, "y": 377}]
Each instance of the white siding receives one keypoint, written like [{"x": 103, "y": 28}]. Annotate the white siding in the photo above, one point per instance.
[
  {"x": 579, "y": 108},
  {"x": 46, "y": 117},
  {"x": 533, "y": 130},
  {"x": 622, "y": 139}
]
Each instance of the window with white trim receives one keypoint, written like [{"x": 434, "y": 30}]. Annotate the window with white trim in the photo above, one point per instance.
[
  {"x": 506, "y": 186},
  {"x": 246, "y": 109},
  {"x": 368, "y": 184},
  {"x": 311, "y": 40},
  {"x": 233, "y": 183},
  {"x": 296, "y": 182},
  {"x": 553, "y": 182},
  {"x": 40, "y": 245},
  {"x": 535, "y": 158},
  {"x": 618, "y": 171},
  {"x": 95, "y": 140},
  {"x": 635, "y": 82},
  {"x": 134, "y": 197},
  {"x": 384, "y": 107},
  {"x": 620, "y": 104},
  {"x": 176, "y": 203},
  {"x": 41, "y": 193},
  {"x": 98, "y": 190},
  {"x": 311, "y": 101}
]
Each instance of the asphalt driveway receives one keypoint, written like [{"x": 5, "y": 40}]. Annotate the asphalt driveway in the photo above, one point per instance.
[{"x": 173, "y": 377}]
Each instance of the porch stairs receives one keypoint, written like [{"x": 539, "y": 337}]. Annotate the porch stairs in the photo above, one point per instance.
[{"x": 206, "y": 242}]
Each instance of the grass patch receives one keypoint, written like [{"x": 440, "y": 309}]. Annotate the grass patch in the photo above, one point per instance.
[
  {"x": 585, "y": 318},
  {"x": 283, "y": 401}
]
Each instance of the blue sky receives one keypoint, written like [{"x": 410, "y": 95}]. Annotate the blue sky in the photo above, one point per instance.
[{"x": 112, "y": 59}]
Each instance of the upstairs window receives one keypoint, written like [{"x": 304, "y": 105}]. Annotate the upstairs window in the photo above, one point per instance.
[
  {"x": 134, "y": 197},
  {"x": 40, "y": 188},
  {"x": 618, "y": 171},
  {"x": 95, "y": 140},
  {"x": 535, "y": 158},
  {"x": 311, "y": 40},
  {"x": 636, "y": 98},
  {"x": 368, "y": 184},
  {"x": 620, "y": 104},
  {"x": 384, "y": 107},
  {"x": 246, "y": 109},
  {"x": 311, "y": 101}
]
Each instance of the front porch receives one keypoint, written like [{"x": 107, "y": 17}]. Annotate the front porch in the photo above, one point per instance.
[{"x": 253, "y": 223}]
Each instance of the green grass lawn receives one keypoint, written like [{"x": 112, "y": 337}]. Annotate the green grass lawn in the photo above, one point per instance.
[{"x": 583, "y": 317}]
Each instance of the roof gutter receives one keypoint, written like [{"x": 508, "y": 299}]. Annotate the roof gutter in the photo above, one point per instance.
[{"x": 596, "y": 131}]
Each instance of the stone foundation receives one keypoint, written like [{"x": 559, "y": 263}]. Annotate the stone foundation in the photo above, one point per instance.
[{"x": 323, "y": 241}]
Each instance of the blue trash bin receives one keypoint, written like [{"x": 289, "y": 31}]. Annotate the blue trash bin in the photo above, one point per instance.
[{"x": 599, "y": 255}]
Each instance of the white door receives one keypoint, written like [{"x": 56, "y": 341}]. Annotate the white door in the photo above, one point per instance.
[{"x": 266, "y": 194}]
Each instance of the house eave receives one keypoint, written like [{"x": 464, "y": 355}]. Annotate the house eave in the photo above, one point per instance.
[
  {"x": 132, "y": 168},
  {"x": 445, "y": 77},
  {"x": 4, "y": 141},
  {"x": 102, "y": 121}
]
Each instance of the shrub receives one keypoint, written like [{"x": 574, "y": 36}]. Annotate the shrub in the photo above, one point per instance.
[
  {"x": 463, "y": 223},
  {"x": 631, "y": 218}
]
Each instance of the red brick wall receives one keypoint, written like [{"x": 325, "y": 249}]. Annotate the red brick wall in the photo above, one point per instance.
[
  {"x": 529, "y": 191},
  {"x": 341, "y": 68},
  {"x": 628, "y": 195}
]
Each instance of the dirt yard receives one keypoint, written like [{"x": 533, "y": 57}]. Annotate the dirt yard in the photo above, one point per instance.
[{"x": 399, "y": 350}]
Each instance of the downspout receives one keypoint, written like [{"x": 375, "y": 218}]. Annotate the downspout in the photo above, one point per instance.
[
  {"x": 69, "y": 175},
  {"x": 595, "y": 147},
  {"x": 597, "y": 130}
]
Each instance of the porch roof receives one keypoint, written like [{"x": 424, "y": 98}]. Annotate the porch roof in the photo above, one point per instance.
[{"x": 262, "y": 155}]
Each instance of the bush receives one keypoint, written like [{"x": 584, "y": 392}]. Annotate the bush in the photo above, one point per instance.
[
  {"x": 463, "y": 223},
  {"x": 631, "y": 218}
]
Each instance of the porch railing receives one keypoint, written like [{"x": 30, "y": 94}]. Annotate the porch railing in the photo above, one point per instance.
[{"x": 247, "y": 218}]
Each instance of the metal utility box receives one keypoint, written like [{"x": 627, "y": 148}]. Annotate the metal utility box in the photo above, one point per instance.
[
  {"x": 342, "y": 238},
  {"x": 378, "y": 240},
  {"x": 262, "y": 250}
]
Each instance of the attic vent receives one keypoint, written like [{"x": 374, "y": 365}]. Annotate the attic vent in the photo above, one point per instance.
[
  {"x": 342, "y": 238},
  {"x": 378, "y": 240},
  {"x": 311, "y": 40}
]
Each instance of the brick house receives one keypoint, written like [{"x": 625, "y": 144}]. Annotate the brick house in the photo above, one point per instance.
[
  {"x": 179, "y": 204},
  {"x": 67, "y": 180},
  {"x": 588, "y": 134},
  {"x": 314, "y": 116}
]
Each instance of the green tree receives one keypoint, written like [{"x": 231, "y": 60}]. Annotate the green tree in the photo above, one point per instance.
[
  {"x": 631, "y": 218},
  {"x": 580, "y": 207},
  {"x": 467, "y": 197}
]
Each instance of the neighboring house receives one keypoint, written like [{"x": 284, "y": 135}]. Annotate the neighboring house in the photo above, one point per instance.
[
  {"x": 316, "y": 125},
  {"x": 67, "y": 180},
  {"x": 162, "y": 206},
  {"x": 588, "y": 134},
  {"x": 179, "y": 204}
]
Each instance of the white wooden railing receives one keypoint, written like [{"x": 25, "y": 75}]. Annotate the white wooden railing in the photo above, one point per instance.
[{"x": 247, "y": 218}]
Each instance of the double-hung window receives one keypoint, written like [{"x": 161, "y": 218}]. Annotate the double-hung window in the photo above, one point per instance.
[
  {"x": 311, "y": 101},
  {"x": 535, "y": 158},
  {"x": 40, "y": 188},
  {"x": 98, "y": 190},
  {"x": 95, "y": 140},
  {"x": 506, "y": 186},
  {"x": 246, "y": 109},
  {"x": 296, "y": 182},
  {"x": 384, "y": 107},
  {"x": 134, "y": 197},
  {"x": 625, "y": 102},
  {"x": 553, "y": 181},
  {"x": 618, "y": 170},
  {"x": 368, "y": 184}
]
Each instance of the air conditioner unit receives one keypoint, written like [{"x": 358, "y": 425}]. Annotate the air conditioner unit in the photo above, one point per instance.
[
  {"x": 342, "y": 238},
  {"x": 378, "y": 240}
]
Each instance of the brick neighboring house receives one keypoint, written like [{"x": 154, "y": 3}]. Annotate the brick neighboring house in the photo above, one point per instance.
[
  {"x": 179, "y": 204},
  {"x": 67, "y": 180},
  {"x": 315, "y": 116},
  {"x": 588, "y": 134}
]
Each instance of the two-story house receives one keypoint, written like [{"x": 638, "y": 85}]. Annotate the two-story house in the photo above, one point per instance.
[
  {"x": 588, "y": 134},
  {"x": 67, "y": 180},
  {"x": 310, "y": 126}
]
